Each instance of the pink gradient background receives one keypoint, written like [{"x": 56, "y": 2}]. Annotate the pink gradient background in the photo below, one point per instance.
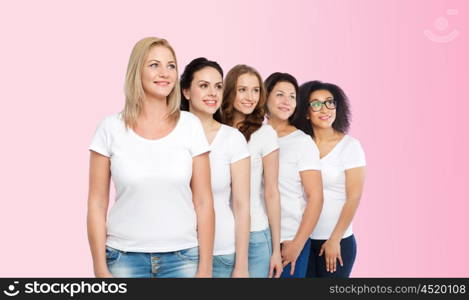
[{"x": 62, "y": 71}]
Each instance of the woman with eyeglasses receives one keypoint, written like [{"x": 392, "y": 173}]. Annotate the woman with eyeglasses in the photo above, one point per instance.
[{"x": 324, "y": 114}]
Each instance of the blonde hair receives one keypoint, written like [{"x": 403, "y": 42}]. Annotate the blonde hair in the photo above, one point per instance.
[{"x": 133, "y": 88}]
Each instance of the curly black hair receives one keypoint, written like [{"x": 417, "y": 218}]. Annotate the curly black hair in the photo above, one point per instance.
[
  {"x": 343, "y": 115},
  {"x": 188, "y": 75}
]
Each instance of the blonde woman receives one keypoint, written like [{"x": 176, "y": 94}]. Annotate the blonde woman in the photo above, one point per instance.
[{"x": 162, "y": 223}]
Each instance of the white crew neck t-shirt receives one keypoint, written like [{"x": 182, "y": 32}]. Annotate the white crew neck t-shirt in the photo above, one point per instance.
[
  {"x": 298, "y": 152},
  {"x": 347, "y": 154},
  {"x": 153, "y": 211},
  {"x": 262, "y": 142},
  {"x": 228, "y": 146}
]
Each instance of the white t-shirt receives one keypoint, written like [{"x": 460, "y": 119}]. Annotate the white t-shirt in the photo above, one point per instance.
[
  {"x": 228, "y": 146},
  {"x": 153, "y": 211},
  {"x": 298, "y": 152},
  {"x": 347, "y": 154},
  {"x": 262, "y": 142}
]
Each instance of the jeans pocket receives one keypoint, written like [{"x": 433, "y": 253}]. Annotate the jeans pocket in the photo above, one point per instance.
[
  {"x": 112, "y": 255},
  {"x": 268, "y": 240},
  {"x": 190, "y": 254},
  {"x": 227, "y": 260}
]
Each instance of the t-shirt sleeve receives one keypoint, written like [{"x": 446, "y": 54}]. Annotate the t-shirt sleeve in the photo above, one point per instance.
[
  {"x": 309, "y": 155},
  {"x": 199, "y": 143},
  {"x": 101, "y": 141},
  {"x": 354, "y": 156},
  {"x": 238, "y": 146},
  {"x": 269, "y": 140}
]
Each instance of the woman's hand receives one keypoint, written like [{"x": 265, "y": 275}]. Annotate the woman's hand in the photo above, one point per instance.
[
  {"x": 203, "y": 274},
  {"x": 275, "y": 265},
  {"x": 332, "y": 250},
  {"x": 103, "y": 273},
  {"x": 290, "y": 252}
]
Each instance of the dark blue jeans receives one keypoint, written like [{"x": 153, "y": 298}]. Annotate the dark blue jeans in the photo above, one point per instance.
[
  {"x": 301, "y": 264},
  {"x": 317, "y": 264}
]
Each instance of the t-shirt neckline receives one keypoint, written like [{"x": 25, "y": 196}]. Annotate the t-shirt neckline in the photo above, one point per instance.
[
  {"x": 160, "y": 139},
  {"x": 216, "y": 135},
  {"x": 290, "y": 134},
  {"x": 335, "y": 147}
]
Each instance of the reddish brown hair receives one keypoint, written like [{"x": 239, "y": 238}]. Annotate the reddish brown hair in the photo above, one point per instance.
[{"x": 254, "y": 120}]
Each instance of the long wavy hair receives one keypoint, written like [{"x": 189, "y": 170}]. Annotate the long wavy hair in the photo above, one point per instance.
[
  {"x": 254, "y": 120},
  {"x": 133, "y": 87}
]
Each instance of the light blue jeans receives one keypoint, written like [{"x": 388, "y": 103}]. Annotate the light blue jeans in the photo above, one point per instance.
[
  {"x": 260, "y": 251},
  {"x": 177, "y": 264},
  {"x": 223, "y": 265}
]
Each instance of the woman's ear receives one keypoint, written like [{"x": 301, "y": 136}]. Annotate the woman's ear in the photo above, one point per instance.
[{"x": 186, "y": 94}]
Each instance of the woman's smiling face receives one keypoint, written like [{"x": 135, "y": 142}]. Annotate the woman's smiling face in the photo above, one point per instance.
[
  {"x": 321, "y": 116},
  {"x": 248, "y": 92}
]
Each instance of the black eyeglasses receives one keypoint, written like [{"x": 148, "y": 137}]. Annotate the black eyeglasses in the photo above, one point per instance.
[{"x": 317, "y": 105}]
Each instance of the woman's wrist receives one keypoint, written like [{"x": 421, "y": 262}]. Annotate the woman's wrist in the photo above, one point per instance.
[
  {"x": 241, "y": 267},
  {"x": 101, "y": 271},
  {"x": 276, "y": 251},
  {"x": 335, "y": 239},
  {"x": 300, "y": 241}
]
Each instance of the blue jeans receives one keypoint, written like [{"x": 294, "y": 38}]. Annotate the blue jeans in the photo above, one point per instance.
[
  {"x": 317, "y": 264},
  {"x": 301, "y": 265},
  {"x": 177, "y": 264},
  {"x": 260, "y": 251},
  {"x": 223, "y": 265}
]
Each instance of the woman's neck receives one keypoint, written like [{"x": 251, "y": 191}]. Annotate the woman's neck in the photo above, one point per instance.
[
  {"x": 325, "y": 134},
  {"x": 206, "y": 119},
  {"x": 280, "y": 126},
  {"x": 154, "y": 109}
]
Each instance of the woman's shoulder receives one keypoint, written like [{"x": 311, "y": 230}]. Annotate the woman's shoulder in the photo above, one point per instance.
[
  {"x": 351, "y": 145},
  {"x": 265, "y": 130},
  {"x": 301, "y": 141},
  {"x": 264, "y": 135},
  {"x": 305, "y": 139},
  {"x": 352, "y": 153},
  {"x": 188, "y": 119},
  {"x": 265, "y": 139},
  {"x": 350, "y": 141},
  {"x": 232, "y": 133},
  {"x": 187, "y": 116},
  {"x": 111, "y": 122},
  {"x": 300, "y": 135}
]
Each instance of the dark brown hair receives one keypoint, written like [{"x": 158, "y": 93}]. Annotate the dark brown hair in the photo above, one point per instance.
[
  {"x": 188, "y": 75},
  {"x": 272, "y": 81}
]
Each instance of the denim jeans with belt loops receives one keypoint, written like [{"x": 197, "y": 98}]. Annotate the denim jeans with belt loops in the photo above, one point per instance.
[{"x": 176, "y": 264}]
